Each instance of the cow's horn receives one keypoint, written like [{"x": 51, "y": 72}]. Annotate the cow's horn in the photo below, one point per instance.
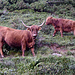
[
  {"x": 42, "y": 24},
  {"x": 25, "y": 24}
]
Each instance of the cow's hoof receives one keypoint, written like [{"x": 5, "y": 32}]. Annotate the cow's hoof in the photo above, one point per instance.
[
  {"x": 33, "y": 55},
  {"x": 2, "y": 56},
  {"x": 23, "y": 56},
  {"x": 53, "y": 35}
]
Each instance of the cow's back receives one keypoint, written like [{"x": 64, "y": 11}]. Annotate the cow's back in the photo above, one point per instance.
[{"x": 3, "y": 30}]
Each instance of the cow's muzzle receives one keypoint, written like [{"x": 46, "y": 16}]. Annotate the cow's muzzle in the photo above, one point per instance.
[
  {"x": 47, "y": 23},
  {"x": 34, "y": 36}
]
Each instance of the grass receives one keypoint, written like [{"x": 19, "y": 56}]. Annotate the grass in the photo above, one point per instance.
[
  {"x": 35, "y": 18},
  {"x": 43, "y": 63},
  {"x": 46, "y": 65}
]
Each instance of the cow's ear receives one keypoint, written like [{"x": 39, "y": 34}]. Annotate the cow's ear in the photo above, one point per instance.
[
  {"x": 39, "y": 28},
  {"x": 29, "y": 29}
]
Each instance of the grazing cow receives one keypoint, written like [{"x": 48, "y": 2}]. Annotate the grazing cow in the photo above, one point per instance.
[
  {"x": 16, "y": 38},
  {"x": 61, "y": 25},
  {"x": 34, "y": 29}
]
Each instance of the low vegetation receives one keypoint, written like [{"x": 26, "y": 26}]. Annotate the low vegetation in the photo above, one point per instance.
[
  {"x": 45, "y": 62},
  {"x": 46, "y": 65}
]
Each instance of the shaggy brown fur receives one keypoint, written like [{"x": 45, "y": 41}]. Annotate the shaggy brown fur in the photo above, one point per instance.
[
  {"x": 61, "y": 25},
  {"x": 34, "y": 30},
  {"x": 16, "y": 38}
]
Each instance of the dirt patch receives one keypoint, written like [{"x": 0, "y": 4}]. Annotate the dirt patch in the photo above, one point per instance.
[
  {"x": 57, "y": 48},
  {"x": 61, "y": 49}
]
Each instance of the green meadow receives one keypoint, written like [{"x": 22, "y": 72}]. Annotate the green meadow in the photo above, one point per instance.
[{"x": 54, "y": 55}]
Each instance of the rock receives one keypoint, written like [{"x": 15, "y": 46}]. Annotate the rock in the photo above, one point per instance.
[{"x": 56, "y": 54}]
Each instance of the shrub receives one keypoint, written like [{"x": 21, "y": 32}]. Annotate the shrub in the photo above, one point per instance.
[
  {"x": 29, "y": 1},
  {"x": 37, "y": 6},
  {"x": 12, "y": 1},
  {"x": 18, "y": 5}
]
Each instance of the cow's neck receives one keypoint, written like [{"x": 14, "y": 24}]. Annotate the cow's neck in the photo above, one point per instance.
[{"x": 53, "y": 21}]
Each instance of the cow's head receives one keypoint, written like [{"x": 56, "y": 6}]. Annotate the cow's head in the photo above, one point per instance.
[
  {"x": 34, "y": 29},
  {"x": 49, "y": 21}
]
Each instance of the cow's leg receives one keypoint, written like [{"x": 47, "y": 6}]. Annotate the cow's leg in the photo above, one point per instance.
[
  {"x": 61, "y": 31},
  {"x": 23, "y": 49},
  {"x": 1, "y": 45},
  {"x": 74, "y": 31},
  {"x": 23, "y": 46},
  {"x": 54, "y": 33},
  {"x": 32, "y": 50}
]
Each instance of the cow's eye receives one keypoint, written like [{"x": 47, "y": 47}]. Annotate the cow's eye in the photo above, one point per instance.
[
  {"x": 37, "y": 29},
  {"x": 32, "y": 29}
]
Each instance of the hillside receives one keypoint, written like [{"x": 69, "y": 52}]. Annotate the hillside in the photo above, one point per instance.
[{"x": 54, "y": 55}]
